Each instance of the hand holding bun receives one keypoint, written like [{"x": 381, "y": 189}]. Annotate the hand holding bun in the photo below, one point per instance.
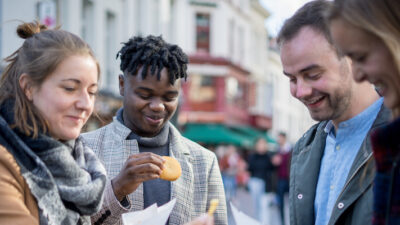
[{"x": 172, "y": 169}]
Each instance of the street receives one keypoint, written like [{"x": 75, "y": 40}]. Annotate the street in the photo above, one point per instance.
[{"x": 244, "y": 203}]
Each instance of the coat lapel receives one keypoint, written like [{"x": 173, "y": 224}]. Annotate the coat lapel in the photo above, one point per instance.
[
  {"x": 123, "y": 149},
  {"x": 130, "y": 147},
  {"x": 183, "y": 188},
  {"x": 306, "y": 172},
  {"x": 362, "y": 172},
  {"x": 358, "y": 181}
]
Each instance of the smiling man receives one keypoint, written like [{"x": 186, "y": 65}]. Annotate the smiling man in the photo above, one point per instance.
[
  {"x": 332, "y": 165},
  {"x": 132, "y": 146}
]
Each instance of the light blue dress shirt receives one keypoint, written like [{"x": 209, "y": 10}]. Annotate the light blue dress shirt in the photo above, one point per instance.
[{"x": 341, "y": 149}]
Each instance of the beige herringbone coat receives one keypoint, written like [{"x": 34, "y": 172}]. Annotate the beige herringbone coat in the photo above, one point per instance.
[{"x": 200, "y": 181}]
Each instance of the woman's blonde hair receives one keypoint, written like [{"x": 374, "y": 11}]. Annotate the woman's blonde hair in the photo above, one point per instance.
[
  {"x": 380, "y": 18},
  {"x": 40, "y": 54}
]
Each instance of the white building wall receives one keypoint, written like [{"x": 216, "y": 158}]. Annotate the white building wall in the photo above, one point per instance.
[
  {"x": 237, "y": 33},
  {"x": 70, "y": 15},
  {"x": 222, "y": 15},
  {"x": 181, "y": 29},
  {"x": 258, "y": 56},
  {"x": 11, "y": 15},
  {"x": 103, "y": 24},
  {"x": 128, "y": 21},
  {"x": 219, "y": 30}
]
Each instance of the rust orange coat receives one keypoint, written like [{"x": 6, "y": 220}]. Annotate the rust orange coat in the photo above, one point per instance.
[{"x": 17, "y": 204}]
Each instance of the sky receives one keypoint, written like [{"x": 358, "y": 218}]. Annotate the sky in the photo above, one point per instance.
[{"x": 280, "y": 10}]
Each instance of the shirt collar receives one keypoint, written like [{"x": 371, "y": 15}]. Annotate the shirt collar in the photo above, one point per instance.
[
  {"x": 158, "y": 140},
  {"x": 358, "y": 119}
]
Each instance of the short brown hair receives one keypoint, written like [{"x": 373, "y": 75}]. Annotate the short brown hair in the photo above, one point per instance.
[
  {"x": 311, "y": 14},
  {"x": 42, "y": 51}
]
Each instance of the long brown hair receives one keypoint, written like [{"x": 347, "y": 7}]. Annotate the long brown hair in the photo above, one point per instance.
[
  {"x": 380, "y": 19},
  {"x": 40, "y": 54}
]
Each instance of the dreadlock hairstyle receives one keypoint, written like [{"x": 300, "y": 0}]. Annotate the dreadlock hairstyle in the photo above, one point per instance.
[{"x": 155, "y": 53}]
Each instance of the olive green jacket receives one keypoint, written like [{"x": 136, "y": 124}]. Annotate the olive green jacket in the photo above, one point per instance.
[{"x": 354, "y": 204}]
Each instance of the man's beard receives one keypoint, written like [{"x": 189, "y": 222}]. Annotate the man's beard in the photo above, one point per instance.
[{"x": 337, "y": 104}]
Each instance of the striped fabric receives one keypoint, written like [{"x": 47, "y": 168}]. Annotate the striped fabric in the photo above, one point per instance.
[{"x": 200, "y": 181}]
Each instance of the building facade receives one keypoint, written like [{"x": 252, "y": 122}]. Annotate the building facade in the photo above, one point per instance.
[{"x": 234, "y": 79}]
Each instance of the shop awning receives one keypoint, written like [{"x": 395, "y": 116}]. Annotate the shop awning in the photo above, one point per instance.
[
  {"x": 214, "y": 134},
  {"x": 254, "y": 133}
]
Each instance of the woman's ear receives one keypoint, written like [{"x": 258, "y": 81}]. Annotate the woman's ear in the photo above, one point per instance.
[{"x": 25, "y": 84}]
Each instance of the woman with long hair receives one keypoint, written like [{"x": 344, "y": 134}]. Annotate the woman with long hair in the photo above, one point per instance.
[
  {"x": 368, "y": 31},
  {"x": 47, "y": 93}
]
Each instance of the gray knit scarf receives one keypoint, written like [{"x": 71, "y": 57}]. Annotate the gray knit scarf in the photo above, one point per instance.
[{"x": 66, "y": 179}]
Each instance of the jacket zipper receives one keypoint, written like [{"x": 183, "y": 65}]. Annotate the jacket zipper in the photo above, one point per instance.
[{"x": 355, "y": 172}]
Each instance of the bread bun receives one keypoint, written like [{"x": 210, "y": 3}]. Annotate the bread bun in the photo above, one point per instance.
[{"x": 172, "y": 169}]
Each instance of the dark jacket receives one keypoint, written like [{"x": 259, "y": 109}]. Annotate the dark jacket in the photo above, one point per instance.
[
  {"x": 354, "y": 204},
  {"x": 260, "y": 166},
  {"x": 386, "y": 147}
]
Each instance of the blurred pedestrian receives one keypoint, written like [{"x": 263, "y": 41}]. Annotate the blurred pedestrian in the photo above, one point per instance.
[
  {"x": 242, "y": 175},
  {"x": 369, "y": 33},
  {"x": 229, "y": 168},
  {"x": 47, "y": 93},
  {"x": 282, "y": 160},
  {"x": 132, "y": 146},
  {"x": 330, "y": 179},
  {"x": 261, "y": 172}
]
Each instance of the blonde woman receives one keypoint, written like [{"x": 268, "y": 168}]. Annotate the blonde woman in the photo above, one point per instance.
[{"x": 368, "y": 31}]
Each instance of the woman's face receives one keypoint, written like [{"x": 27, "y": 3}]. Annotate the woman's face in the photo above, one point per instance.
[
  {"x": 66, "y": 97},
  {"x": 371, "y": 59}
]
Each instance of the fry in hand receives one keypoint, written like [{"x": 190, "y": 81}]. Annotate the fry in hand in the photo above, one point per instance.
[{"x": 213, "y": 206}]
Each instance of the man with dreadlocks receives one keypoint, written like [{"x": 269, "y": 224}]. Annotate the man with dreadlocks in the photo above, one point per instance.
[{"x": 132, "y": 145}]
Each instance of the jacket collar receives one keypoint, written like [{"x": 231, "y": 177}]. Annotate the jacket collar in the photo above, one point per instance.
[
  {"x": 123, "y": 132},
  {"x": 366, "y": 149},
  {"x": 362, "y": 169},
  {"x": 308, "y": 160},
  {"x": 120, "y": 129}
]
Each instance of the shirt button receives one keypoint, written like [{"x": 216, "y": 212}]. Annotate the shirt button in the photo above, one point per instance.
[
  {"x": 332, "y": 187},
  {"x": 340, "y": 205},
  {"x": 299, "y": 196},
  {"x": 338, "y": 147}
]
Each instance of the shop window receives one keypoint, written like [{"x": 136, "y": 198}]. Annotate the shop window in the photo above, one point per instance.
[
  {"x": 234, "y": 92},
  {"x": 202, "y": 89},
  {"x": 203, "y": 32}
]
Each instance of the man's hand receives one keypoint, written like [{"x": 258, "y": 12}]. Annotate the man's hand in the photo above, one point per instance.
[{"x": 137, "y": 169}]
